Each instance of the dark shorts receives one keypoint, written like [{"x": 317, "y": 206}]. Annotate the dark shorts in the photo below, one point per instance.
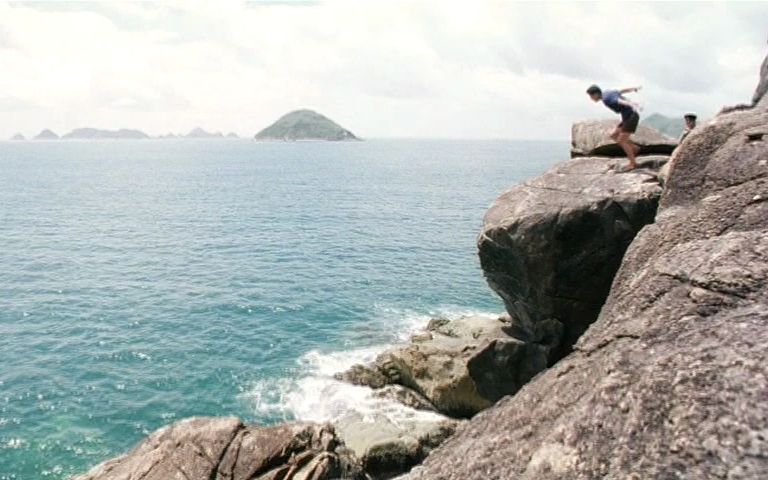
[{"x": 629, "y": 123}]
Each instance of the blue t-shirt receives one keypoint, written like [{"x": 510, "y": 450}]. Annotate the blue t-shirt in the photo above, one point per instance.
[{"x": 611, "y": 100}]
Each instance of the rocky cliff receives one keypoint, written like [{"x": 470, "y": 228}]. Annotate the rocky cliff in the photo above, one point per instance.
[
  {"x": 663, "y": 291},
  {"x": 225, "y": 449},
  {"x": 671, "y": 381},
  {"x": 591, "y": 138},
  {"x": 551, "y": 246},
  {"x": 554, "y": 244}
]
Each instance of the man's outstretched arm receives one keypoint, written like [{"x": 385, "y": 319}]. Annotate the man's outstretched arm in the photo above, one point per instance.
[{"x": 630, "y": 90}]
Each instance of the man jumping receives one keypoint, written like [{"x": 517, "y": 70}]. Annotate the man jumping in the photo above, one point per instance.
[{"x": 615, "y": 100}]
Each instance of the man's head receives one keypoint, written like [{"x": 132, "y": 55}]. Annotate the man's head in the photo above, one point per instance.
[
  {"x": 690, "y": 120},
  {"x": 595, "y": 93}
]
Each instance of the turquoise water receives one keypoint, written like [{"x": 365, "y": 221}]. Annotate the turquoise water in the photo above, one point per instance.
[{"x": 146, "y": 281}]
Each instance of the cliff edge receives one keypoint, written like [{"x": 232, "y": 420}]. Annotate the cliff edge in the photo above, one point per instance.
[
  {"x": 668, "y": 380},
  {"x": 671, "y": 380}
]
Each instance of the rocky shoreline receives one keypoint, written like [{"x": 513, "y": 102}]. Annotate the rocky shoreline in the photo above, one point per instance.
[{"x": 633, "y": 346}]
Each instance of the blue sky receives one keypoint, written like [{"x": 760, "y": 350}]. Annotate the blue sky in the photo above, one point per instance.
[{"x": 458, "y": 69}]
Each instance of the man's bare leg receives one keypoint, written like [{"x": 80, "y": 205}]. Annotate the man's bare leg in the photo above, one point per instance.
[
  {"x": 629, "y": 148},
  {"x": 615, "y": 134}
]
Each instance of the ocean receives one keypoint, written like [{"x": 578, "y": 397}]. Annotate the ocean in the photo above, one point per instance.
[{"x": 146, "y": 281}]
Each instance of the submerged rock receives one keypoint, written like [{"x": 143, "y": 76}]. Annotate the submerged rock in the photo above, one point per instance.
[
  {"x": 222, "y": 448},
  {"x": 591, "y": 138},
  {"x": 671, "y": 380}
]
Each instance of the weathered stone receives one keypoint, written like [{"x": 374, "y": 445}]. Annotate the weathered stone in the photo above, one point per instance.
[
  {"x": 671, "y": 381},
  {"x": 663, "y": 174},
  {"x": 389, "y": 443},
  {"x": 464, "y": 365},
  {"x": 591, "y": 138},
  {"x": 551, "y": 246},
  {"x": 365, "y": 375},
  {"x": 222, "y": 448},
  {"x": 405, "y": 396}
]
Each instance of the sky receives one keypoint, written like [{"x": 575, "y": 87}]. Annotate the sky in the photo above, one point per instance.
[{"x": 381, "y": 68}]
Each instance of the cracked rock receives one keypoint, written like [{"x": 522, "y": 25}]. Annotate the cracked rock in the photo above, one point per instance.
[
  {"x": 222, "y": 448},
  {"x": 550, "y": 247}
]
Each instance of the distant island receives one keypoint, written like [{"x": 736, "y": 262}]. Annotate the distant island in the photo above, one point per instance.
[
  {"x": 200, "y": 133},
  {"x": 47, "y": 135},
  {"x": 295, "y": 126},
  {"x": 305, "y": 125},
  {"x": 95, "y": 133},
  {"x": 88, "y": 133},
  {"x": 669, "y": 126}
]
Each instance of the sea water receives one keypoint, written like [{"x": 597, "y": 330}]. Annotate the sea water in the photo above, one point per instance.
[{"x": 142, "y": 282}]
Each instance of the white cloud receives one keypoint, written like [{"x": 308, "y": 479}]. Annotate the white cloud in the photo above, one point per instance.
[{"x": 450, "y": 68}]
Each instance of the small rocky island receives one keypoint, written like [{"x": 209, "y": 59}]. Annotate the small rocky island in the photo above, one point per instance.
[
  {"x": 200, "y": 133},
  {"x": 47, "y": 135},
  {"x": 305, "y": 125},
  {"x": 669, "y": 126},
  {"x": 97, "y": 134}
]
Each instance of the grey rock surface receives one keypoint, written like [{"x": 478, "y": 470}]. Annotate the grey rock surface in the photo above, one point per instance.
[
  {"x": 390, "y": 442},
  {"x": 671, "y": 381},
  {"x": 551, "y": 246},
  {"x": 404, "y": 396},
  {"x": 590, "y": 138},
  {"x": 222, "y": 448},
  {"x": 460, "y": 366}
]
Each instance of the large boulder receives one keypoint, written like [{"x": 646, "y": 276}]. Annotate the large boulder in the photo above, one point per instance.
[
  {"x": 460, "y": 366},
  {"x": 591, "y": 138},
  {"x": 222, "y": 448},
  {"x": 551, "y": 246},
  {"x": 671, "y": 381},
  {"x": 390, "y": 440}
]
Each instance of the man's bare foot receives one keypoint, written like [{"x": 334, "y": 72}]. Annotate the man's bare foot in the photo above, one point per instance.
[{"x": 619, "y": 169}]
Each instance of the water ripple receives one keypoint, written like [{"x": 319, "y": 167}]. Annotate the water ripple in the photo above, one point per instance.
[{"x": 143, "y": 282}]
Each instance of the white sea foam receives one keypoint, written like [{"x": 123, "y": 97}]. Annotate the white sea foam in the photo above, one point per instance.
[{"x": 312, "y": 394}]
